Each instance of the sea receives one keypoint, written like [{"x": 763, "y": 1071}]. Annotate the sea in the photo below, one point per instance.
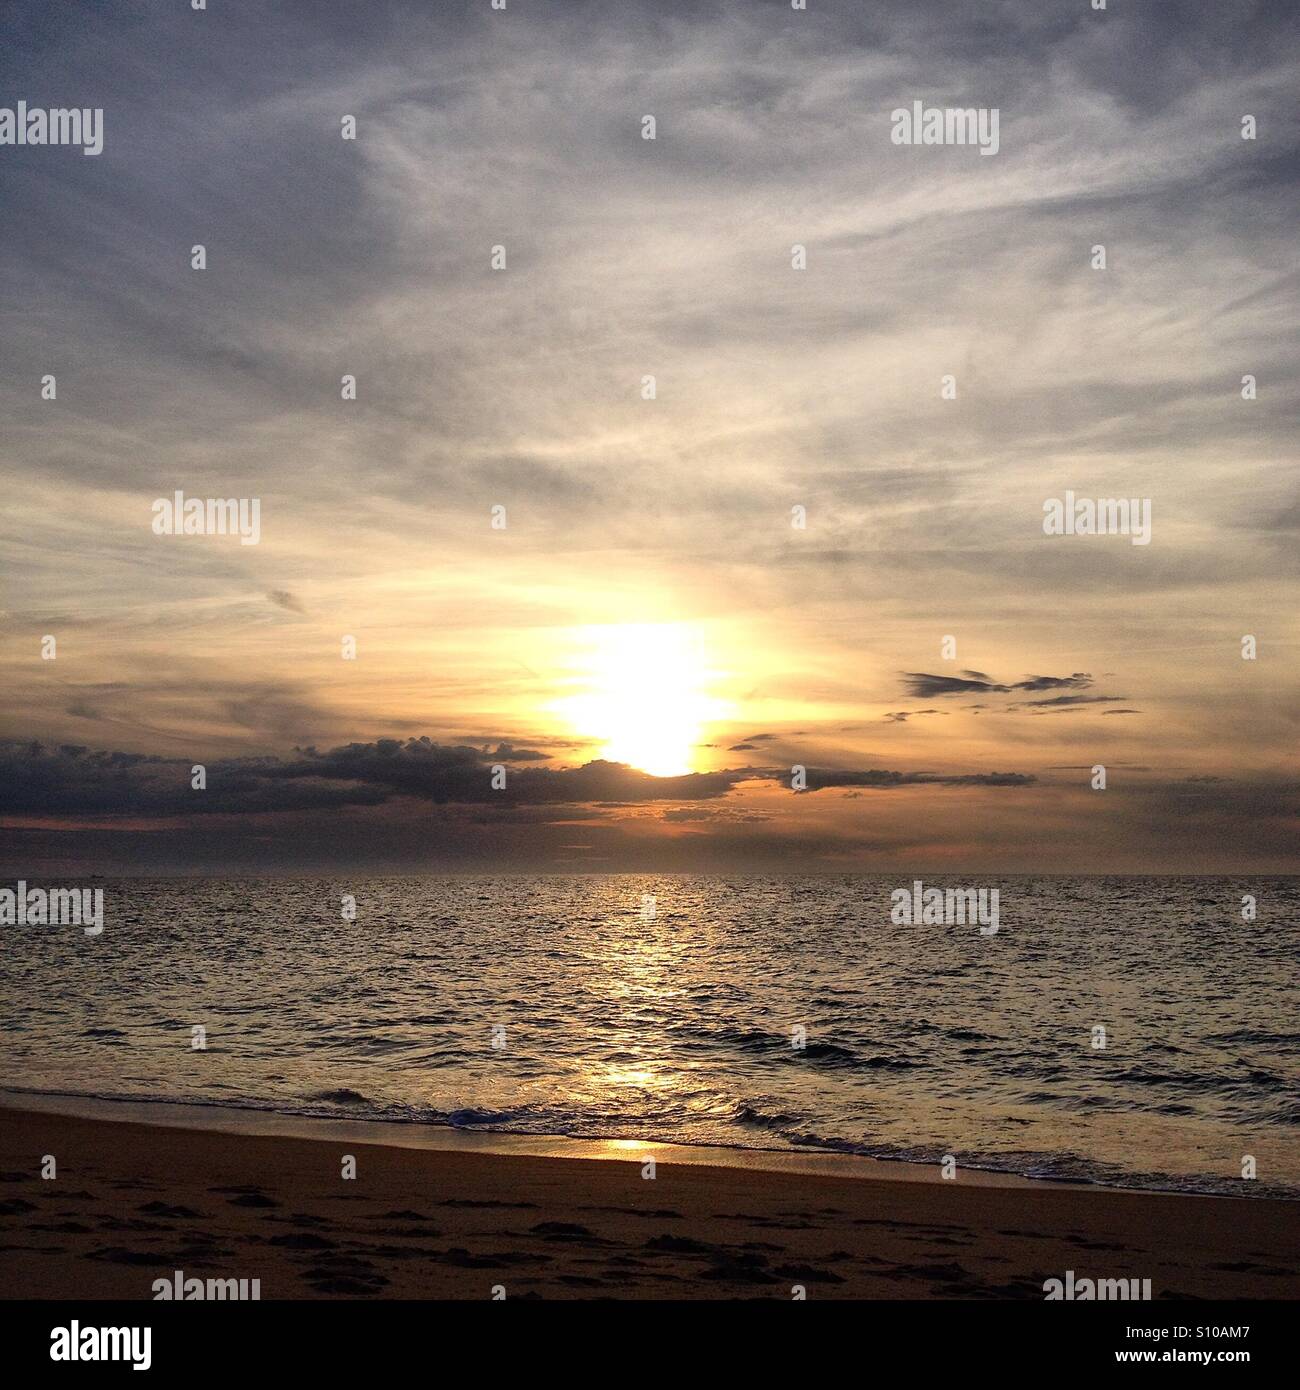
[{"x": 1138, "y": 1032}]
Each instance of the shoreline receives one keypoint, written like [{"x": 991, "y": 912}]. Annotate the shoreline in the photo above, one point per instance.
[
  {"x": 133, "y": 1203},
  {"x": 268, "y": 1122}
]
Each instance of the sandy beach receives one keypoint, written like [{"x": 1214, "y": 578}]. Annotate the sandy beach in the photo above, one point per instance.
[{"x": 133, "y": 1203}]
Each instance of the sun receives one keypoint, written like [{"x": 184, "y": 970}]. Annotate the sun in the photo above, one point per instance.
[{"x": 643, "y": 695}]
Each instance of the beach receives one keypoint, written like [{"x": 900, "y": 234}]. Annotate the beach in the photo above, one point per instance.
[{"x": 132, "y": 1204}]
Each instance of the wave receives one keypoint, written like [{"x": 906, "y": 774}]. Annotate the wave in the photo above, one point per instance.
[
  {"x": 773, "y": 1046},
  {"x": 468, "y": 1119},
  {"x": 751, "y": 1116}
]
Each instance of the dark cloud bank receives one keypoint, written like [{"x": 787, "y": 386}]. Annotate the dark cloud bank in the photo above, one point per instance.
[
  {"x": 392, "y": 806},
  {"x": 74, "y": 781}
]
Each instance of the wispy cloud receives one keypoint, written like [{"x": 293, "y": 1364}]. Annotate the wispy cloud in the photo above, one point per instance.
[{"x": 776, "y": 388}]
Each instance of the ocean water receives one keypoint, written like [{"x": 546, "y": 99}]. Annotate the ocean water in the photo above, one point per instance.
[{"x": 564, "y": 1005}]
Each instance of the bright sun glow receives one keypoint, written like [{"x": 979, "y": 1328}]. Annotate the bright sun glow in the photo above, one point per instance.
[{"x": 643, "y": 695}]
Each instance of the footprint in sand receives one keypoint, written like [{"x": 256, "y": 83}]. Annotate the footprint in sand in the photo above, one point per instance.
[
  {"x": 162, "y": 1209},
  {"x": 462, "y": 1259},
  {"x": 302, "y": 1219},
  {"x": 808, "y": 1274},
  {"x": 638, "y": 1211},
  {"x": 467, "y": 1202},
  {"x": 343, "y": 1274},
  {"x": 566, "y": 1230},
  {"x": 681, "y": 1245},
  {"x": 119, "y": 1255},
  {"x": 952, "y": 1272},
  {"x": 739, "y": 1274},
  {"x": 303, "y": 1240},
  {"x": 133, "y": 1223},
  {"x": 767, "y": 1222},
  {"x": 325, "y": 1282}
]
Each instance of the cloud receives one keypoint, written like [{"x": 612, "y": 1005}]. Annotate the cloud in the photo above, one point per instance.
[
  {"x": 713, "y": 815},
  {"x": 1062, "y": 704},
  {"x": 520, "y": 387},
  {"x": 1076, "y": 681},
  {"x": 925, "y": 685},
  {"x": 505, "y": 753},
  {"x": 821, "y": 778},
  {"x": 37, "y": 780},
  {"x": 435, "y": 772},
  {"x": 72, "y": 780}
]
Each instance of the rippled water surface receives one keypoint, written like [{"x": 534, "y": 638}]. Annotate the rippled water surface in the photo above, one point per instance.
[{"x": 561, "y": 1005}]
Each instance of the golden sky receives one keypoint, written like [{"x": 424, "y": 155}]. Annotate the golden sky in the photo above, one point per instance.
[{"x": 649, "y": 601}]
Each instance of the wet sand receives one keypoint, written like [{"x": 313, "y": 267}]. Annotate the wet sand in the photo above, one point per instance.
[{"x": 133, "y": 1203}]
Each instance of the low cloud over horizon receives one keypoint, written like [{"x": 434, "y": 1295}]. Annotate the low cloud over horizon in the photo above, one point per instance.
[{"x": 416, "y": 804}]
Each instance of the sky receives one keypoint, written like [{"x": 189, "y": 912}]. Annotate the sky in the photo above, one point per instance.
[{"x": 789, "y": 607}]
